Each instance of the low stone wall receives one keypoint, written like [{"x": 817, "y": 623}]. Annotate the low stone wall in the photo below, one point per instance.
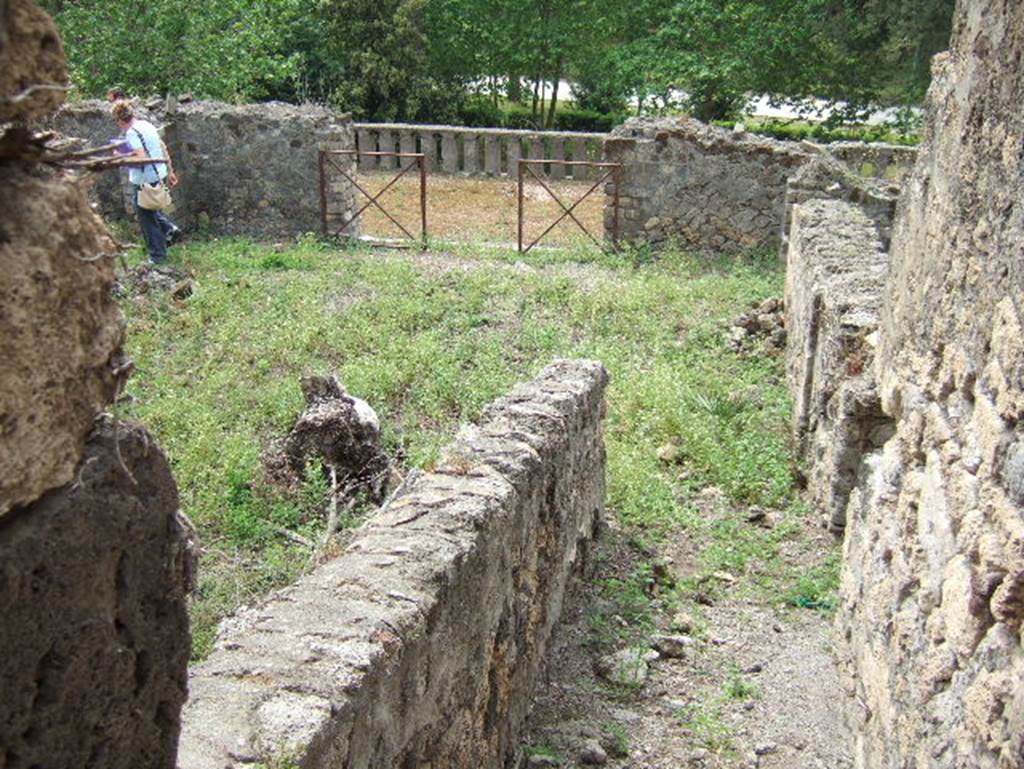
[
  {"x": 244, "y": 170},
  {"x": 479, "y": 151},
  {"x": 836, "y": 267},
  {"x": 419, "y": 646}
]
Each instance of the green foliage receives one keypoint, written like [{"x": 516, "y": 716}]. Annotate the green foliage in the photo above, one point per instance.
[
  {"x": 737, "y": 687},
  {"x": 818, "y": 587},
  {"x": 225, "y": 49},
  {"x": 824, "y": 133},
  {"x": 425, "y": 59}
]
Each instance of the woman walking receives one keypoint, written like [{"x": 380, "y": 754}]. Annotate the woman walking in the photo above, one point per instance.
[{"x": 141, "y": 135}]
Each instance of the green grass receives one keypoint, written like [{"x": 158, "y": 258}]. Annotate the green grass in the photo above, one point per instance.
[{"x": 428, "y": 346}]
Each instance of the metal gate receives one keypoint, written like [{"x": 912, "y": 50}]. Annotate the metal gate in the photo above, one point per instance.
[
  {"x": 328, "y": 163},
  {"x": 613, "y": 171}
]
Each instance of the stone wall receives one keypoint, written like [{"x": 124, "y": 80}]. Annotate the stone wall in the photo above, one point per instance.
[
  {"x": 94, "y": 559},
  {"x": 419, "y": 646},
  {"x": 713, "y": 189},
  {"x": 244, "y": 170},
  {"x": 933, "y": 580},
  {"x": 836, "y": 267}
]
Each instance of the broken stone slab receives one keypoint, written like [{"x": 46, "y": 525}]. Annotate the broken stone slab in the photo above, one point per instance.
[
  {"x": 338, "y": 430},
  {"x": 93, "y": 581}
]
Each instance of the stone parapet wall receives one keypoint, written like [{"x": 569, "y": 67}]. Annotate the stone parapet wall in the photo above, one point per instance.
[
  {"x": 835, "y": 272},
  {"x": 933, "y": 580},
  {"x": 244, "y": 170},
  {"x": 480, "y": 151},
  {"x": 420, "y": 644},
  {"x": 875, "y": 160}
]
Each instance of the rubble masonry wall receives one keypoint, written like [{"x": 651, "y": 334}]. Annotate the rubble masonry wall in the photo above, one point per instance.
[{"x": 419, "y": 645}]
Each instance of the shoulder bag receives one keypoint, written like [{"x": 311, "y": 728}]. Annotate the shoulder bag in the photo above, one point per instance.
[{"x": 153, "y": 197}]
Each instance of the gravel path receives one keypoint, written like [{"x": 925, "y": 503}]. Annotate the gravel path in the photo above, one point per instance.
[{"x": 756, "y": 687}]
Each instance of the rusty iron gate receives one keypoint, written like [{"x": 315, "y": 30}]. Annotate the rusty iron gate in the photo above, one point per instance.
[
  {"x": 612, "y": 171},
  {"x": 327, "y": 162}
]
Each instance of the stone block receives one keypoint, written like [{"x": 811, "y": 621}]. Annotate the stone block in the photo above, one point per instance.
[{"x": 93, "y": 578}]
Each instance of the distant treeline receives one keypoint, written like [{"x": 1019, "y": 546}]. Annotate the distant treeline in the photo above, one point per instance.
[{"x": 488, "y": 61}]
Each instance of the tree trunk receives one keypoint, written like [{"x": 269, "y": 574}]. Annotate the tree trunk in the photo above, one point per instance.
[
  {"x": 554, "y": 98},
  {"x": 536, "y": 88}
]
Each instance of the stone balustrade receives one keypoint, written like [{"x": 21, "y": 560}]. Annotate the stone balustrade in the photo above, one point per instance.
[{"x": 478, "y": 151}]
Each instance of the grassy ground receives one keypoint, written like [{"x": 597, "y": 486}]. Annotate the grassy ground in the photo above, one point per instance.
[{"x": 428, "y": 340}]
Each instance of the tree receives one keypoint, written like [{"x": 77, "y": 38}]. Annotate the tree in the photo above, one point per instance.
[{"x": 231, "y": 49}]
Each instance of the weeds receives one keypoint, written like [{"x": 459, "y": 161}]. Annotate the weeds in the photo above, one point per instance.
[{"x": 428, "y": 341}]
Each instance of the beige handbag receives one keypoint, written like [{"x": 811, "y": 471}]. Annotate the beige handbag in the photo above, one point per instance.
[{"x": 154, "y": 197}]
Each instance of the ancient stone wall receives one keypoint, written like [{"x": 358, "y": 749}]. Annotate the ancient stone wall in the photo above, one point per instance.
[
  {"x": 94, "y": 559},
  {"x": 712, "y": 189},
  {"x": 419, "y": 646},
  {"x": 244, "y": 170},
  {"x": 703, "y": 186},
  {"x": 836, "y": 268},
  {"x": 933, "y": 580}
]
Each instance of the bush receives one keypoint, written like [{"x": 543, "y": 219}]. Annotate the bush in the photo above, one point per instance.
[{"x": 820, "y": 132}]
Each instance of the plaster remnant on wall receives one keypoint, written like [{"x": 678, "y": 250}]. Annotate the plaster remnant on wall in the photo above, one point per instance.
[{"x": 420, "y": 644}]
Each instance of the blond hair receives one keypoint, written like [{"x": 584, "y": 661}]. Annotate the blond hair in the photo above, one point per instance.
[{"x": 122, "y": 111}]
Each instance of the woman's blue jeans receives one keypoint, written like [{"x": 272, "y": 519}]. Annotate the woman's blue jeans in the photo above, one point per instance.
[{"x": 155, "y": 227}]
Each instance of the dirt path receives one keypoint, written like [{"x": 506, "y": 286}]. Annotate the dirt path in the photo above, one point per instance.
[
  {"x": 738, "y": 683},
  {"x": 475, "y": 209}
]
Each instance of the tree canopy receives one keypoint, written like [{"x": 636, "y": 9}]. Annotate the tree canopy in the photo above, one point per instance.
[{"x": 428, "y": 59}]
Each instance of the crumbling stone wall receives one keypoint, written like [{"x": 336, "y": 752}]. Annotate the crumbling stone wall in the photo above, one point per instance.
[
  {"x": 244, "y": 170},
  {"x": 933, "y": 579},
  {"x": 712, "y": 189},
  {"x": 418, "y": 647},
  {"x": 94, "y": 560}
]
